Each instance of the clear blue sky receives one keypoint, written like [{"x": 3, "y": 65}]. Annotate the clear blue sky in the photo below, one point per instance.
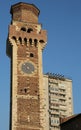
[{"x": 62, "y": 20}]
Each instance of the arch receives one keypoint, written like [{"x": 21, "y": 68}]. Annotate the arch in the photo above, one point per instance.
[
  {"x": 35, "y": 42},
  {"x": 20, "y": 40},
  {"x": 41, "y": 41},
  {"x": 25, "y": 40},
  {"x": 25, "y": 90},
  {"x": 14, "y": 38},
  {"x": 23, "y": 29},
  {"x": 29, "y": 30},
  {"x": 30, "y": 41}
]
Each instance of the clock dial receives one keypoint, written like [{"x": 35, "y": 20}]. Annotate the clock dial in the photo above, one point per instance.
[{"x": 27, "y": 67}]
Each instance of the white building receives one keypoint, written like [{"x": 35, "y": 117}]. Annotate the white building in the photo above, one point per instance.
[{"x": 59, "y": 102}]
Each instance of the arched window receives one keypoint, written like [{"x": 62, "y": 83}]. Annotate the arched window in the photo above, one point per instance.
[
  {"x": 29, "y": 30},
  {"x": 25, "y": 90},
  {"x": 20, "y": 40},
  {"x": 35, "y": 41},
  {"x": 30, "y": 41},
  {"x": 23, "y": 29},
  {"x": 25, "y": 40},
  {"x": 41, "y": 41},
  {"x": 14, "y": 38}
]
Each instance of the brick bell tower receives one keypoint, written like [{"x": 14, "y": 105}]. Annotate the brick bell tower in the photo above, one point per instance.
[{"x": 25, "y": 43}]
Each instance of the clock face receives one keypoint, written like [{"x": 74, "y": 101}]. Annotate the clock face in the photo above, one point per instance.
[{"x": 27, "y": 67}]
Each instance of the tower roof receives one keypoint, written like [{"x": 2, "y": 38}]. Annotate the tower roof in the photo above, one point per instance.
[{"x": 24, "y": 6}]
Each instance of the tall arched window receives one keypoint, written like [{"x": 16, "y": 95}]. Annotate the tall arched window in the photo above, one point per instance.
[
  {"x": 25, "y": 40},
  {"x": 35, "y": 42},
  {"x": 30, "y": 41},
  {"x": 20, "y": 40},
  {"x": 14, "y": 38}
]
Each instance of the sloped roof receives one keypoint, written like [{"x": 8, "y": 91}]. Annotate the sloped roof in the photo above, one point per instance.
[{"x": 64, "y": 120}]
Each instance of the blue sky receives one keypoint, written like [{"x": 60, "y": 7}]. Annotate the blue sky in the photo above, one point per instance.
[{"x": 62, "y": 20}]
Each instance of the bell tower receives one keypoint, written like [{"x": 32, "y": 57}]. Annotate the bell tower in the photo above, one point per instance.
[{"x": 25, "y": 43}]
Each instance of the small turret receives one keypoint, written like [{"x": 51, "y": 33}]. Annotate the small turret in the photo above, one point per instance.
[{"x": 30, "y": 11}]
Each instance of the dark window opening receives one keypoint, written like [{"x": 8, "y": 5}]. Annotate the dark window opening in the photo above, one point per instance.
[
  {"x": 31, "y": 55},
  {"x": 14, "y": 38},
  {"x": 29, "y": 30},
  {"x": 35, "y": 41},
  {"x": 25, "y": 90},
  {"x": 30, "y": 41},
  {"x": 23, "y": 29},
  {"x": 41, "y": 41},
  {"x": 25, "y": 40},
  {"x": 20, "y": 39}
]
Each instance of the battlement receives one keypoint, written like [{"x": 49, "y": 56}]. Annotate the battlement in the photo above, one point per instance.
[{"x": 27, "y": 36}]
